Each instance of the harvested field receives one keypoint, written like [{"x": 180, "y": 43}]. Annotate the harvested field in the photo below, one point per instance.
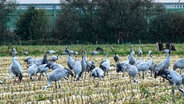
[{"x": 112, "y": 89}]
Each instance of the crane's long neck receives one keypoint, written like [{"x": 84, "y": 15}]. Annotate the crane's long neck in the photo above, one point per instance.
[
  {"x": 168, "y": 58},
  {"x": 130, "y": 49},
  {"x": 140, "y": 58},
  {"x": 150, "y": 60},
  {"x": 70, "y": 58},
  {"x": 106, "y": 55}
]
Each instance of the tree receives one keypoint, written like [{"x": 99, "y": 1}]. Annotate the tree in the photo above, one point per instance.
[
  {"x": 32, "y": 25},
  {"x": 168, "y": 27},
  {"x": 104, "y": 20},
  {"x": 5, "y": 9}
]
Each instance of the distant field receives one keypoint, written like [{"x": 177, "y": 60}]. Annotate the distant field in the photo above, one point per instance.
[
  {"x": 114, "y": 89},
  {"x": 122, "y": 49}
]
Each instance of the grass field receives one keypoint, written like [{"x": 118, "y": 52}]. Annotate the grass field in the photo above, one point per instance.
[{"x": 114, "y": 89}]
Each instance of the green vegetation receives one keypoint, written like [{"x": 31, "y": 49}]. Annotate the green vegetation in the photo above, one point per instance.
[{"x": 121, "y": 49}]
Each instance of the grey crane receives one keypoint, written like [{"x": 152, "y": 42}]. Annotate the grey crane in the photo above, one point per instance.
[
  {"x": 119, "y": 67},
  {"x": 15, "y": 67},
  {"x": 97, "y": 72},
  {"x": 77, "y": 68},
  {"x": 179, "y": 64},
  {"x": 131, "y": 69},
  {"x": 42, "y": 69},
  {"x": 173, "y": 77},
  {"x": 105, "y": 64},
  {"x": 44, "y": 61},
  {"x": 56, "y": 76},
  {"x": 87, "y": 66},
  {"x": 32, "y": 67},
  {"x": 145, "y": 66},
  {"x": 94, "y": 52},
  {"x": 164, "y": 64},
  {"x": 131, "y": 57},
  {"x": 75, "y": 65},
  {"x": 90, "y": 66},
  {"x": 84, "y": 62},
  {"x": 116, "y": 56},
  {"x": 70, "y": 60},
  {"x": 51, "y": 51},
  {"x": 53, "y": 57}
]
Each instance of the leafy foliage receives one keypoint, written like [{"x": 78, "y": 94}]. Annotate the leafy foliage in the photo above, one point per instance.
[
  {"x": 6, "y": 7},
  {"x": 32, "y": 25},
  {"x": 104, "y": 20},
  {"x": 167, "y": 26}
]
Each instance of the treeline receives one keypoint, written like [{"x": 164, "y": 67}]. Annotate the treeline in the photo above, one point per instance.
[{"x": 96, "y": 21}]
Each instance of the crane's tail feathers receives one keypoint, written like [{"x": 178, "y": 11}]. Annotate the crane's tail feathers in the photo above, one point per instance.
[{"x": 69, "y": 72}]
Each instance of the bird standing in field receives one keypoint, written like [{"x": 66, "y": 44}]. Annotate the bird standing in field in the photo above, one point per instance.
[
  {"x": 105, "y": 64},
  {"x": 56, "y": 76},
  {"x": 15, "y": 67},
  {"x": 131, "y": 57}
]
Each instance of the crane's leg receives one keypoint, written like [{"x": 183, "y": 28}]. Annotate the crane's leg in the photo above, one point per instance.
[
  {"x": 59, "y": 84},
  {"x": 55, "y": 85},
  {"x": 47, "y": 86},
  {"x": 143, "y": 75}
]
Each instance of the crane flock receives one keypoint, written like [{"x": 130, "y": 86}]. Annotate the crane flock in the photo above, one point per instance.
[{"x": 78, "y": 68}]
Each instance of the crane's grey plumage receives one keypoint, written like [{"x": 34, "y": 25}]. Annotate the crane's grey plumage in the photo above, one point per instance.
[
  {"x": 53, "y": 65},
  {"x": 57, "y": 74},
  {"x": 45, "y": 61},
  {"x": 90, "y": 66},
  {"x": 87, "y": 66},
  {"x": 97, "y": 72},
  {"x": 29, "y": 60},
  {"x": 105, "y": 64},
  {"x": 163, "y": 64},
  {"x": 53, "y": 57},
  {"x": 84, "y": 62},
  {"x": 32, "y": 67},
  {"x": 131, "y": 57},
  {"x": 51, "y": 51},
  {"x": 70, "y": 60},
  {"x": 75, "y": 65},
  {"x": 179, "y": 64},
  {"x": 145, "y": 66},
  {"x": 119, "y": 67},
  {"x": 42, "y": 60},
  {"x": 42, "y": 69},
  {"x": 77, "y": 68},
  {"x": 64, "y": 53},
  {"x": 173, "y": 77},
  {"x": 94, "y": 53},
  {"x": 15, "y": 67},
  {"x": 131, "y": 69}
]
